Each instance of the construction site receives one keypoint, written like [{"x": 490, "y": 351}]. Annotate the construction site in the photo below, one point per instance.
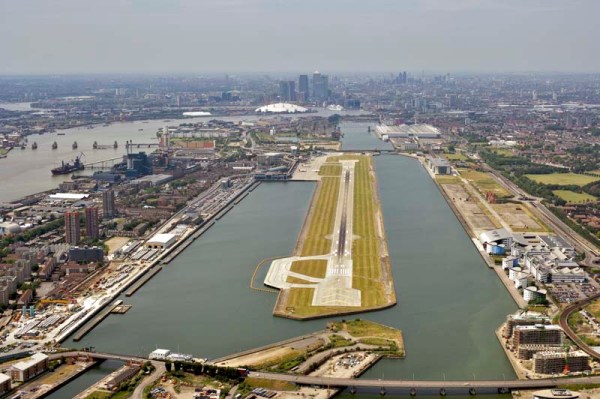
[{"x": 340, "y": 264}]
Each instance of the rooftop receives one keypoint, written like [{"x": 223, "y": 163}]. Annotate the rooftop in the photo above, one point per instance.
[
  {"x": 162, "y": 238},
  {"x": 282, "y": 108}
]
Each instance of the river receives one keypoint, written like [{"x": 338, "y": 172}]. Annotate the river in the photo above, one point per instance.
[
  {"x": 86, "y": 380},
  {"x": 449, "y": 302},
  {"x": 27, "y": 171}
]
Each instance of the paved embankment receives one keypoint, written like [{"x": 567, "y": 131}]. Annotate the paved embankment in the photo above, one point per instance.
[{"x": 96, "y": 320}]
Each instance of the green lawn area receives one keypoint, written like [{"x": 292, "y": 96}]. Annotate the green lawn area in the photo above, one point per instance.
[
  {"x": 312, "y": 268},
  {"x": 365, "y": 251},
  {"x": 370, "y": 332},
  {"x": 330, "y": 170},
  {"x": 483, "y": 182},
  {"x": 456, "y": 157},
  {"x": 573, "y": 197},
  {"x": 3, "y": 151},
  {"x": 445, "y": 179},
  {"x": 563, "y": 179},
  {"x": 503, "y": 151}
]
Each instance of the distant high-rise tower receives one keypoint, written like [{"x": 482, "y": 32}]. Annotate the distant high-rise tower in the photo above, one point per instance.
[
  {"x": 91, "y": 223},
  {"x": 108, "y": 204},
  {"x": 320, "y": 85},
  {"x": 72, "y": 230},
  {"x": 303, "y": 86},
  {"x": 287, "y": 90}
]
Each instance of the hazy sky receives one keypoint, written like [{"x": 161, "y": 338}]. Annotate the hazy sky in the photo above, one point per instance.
[{"x": 152, "y": 36}]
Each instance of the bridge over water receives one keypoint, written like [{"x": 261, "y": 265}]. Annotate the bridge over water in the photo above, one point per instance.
[{"x": 363, "y": 385}]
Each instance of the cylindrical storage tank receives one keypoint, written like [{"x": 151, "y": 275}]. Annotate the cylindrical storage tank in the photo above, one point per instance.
[
  {"x": 507, "y": 263},
  {"x": 515, "y": 252}
]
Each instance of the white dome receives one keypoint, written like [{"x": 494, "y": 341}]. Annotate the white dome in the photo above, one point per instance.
[{"x": 281, "y": 108}]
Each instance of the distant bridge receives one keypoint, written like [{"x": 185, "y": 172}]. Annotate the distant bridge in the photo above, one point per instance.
[
  {"x": 131, "y": 145},
  {"x": 365, "y": 150}
]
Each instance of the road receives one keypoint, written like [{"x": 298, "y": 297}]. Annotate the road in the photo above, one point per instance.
[
  {"x": 159, "y": 369},
  {"x": 564, "y": 323},
  {"x": 367, "y": 383},
  {"x": 425, "y": 384}
]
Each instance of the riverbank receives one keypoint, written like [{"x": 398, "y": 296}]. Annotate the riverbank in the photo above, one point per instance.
[
  {"x": 510, "y": 287},
  {"x": 169, "y": 254}
]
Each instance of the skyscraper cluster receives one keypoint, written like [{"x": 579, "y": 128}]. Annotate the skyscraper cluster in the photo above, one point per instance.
[
  {"x": 316, "y": 90},
  {"x": 320, "y": 85},
  {"x": 287, "y": 90},
  {"x": 401, "y": 78}
]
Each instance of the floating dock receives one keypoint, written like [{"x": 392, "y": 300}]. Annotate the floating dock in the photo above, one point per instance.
[
  {"x": 121, "y": 309},
  {"x": 143, "y": 280},
  {"x": 96, "y": 320}
]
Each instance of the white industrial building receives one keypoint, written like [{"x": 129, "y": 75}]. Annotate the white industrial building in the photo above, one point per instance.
[
  {"x": 159, "y": 354},
  {"x": 161, "y": 241},
  {"x": 419, "y": 130}
]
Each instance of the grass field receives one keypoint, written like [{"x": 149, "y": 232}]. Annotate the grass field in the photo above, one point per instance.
[
  {"x": 367, "y": 266},
  {"x": 483, "y": 182},
  {"x": 446, "y": 179},
  {"x": 312, "y": 268},
  {"x": 503, "y": 151},
  {"x": 563, "y": 179},
  {"x": 330, "y": 170},
  {"x": 296, "y": 280},
  {"x": 456, "y": 157},
  {"x": 573, "y": 197},
  {"x": 370, "y": 332}
]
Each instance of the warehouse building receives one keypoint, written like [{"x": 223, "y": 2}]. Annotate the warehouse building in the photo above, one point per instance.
[
  {"x": 161, "y": 241},
  {"x": 418, "y": 130}
]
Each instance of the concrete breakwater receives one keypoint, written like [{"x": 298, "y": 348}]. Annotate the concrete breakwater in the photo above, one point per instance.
[{"x": 87, "y": 328}]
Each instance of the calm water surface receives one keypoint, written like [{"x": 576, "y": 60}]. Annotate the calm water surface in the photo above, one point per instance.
[{"x": 449, "y": 303}]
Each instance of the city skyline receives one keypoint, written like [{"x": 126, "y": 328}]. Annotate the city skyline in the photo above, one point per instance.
[{"x": 271, "y": 35}]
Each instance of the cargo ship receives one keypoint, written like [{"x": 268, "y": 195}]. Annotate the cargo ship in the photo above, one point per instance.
[{"x": 68, "y": 167}]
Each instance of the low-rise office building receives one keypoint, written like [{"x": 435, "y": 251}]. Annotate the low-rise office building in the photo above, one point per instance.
[
  {"x": 538, "y": 334},
  {"x": 26, "y": 370},
  {"x": 556, "y": 362}
]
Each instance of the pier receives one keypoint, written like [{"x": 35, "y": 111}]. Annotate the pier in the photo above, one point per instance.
[
  {"x": 96, "y": 320},
  {"x": 143, "y": 280}
]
